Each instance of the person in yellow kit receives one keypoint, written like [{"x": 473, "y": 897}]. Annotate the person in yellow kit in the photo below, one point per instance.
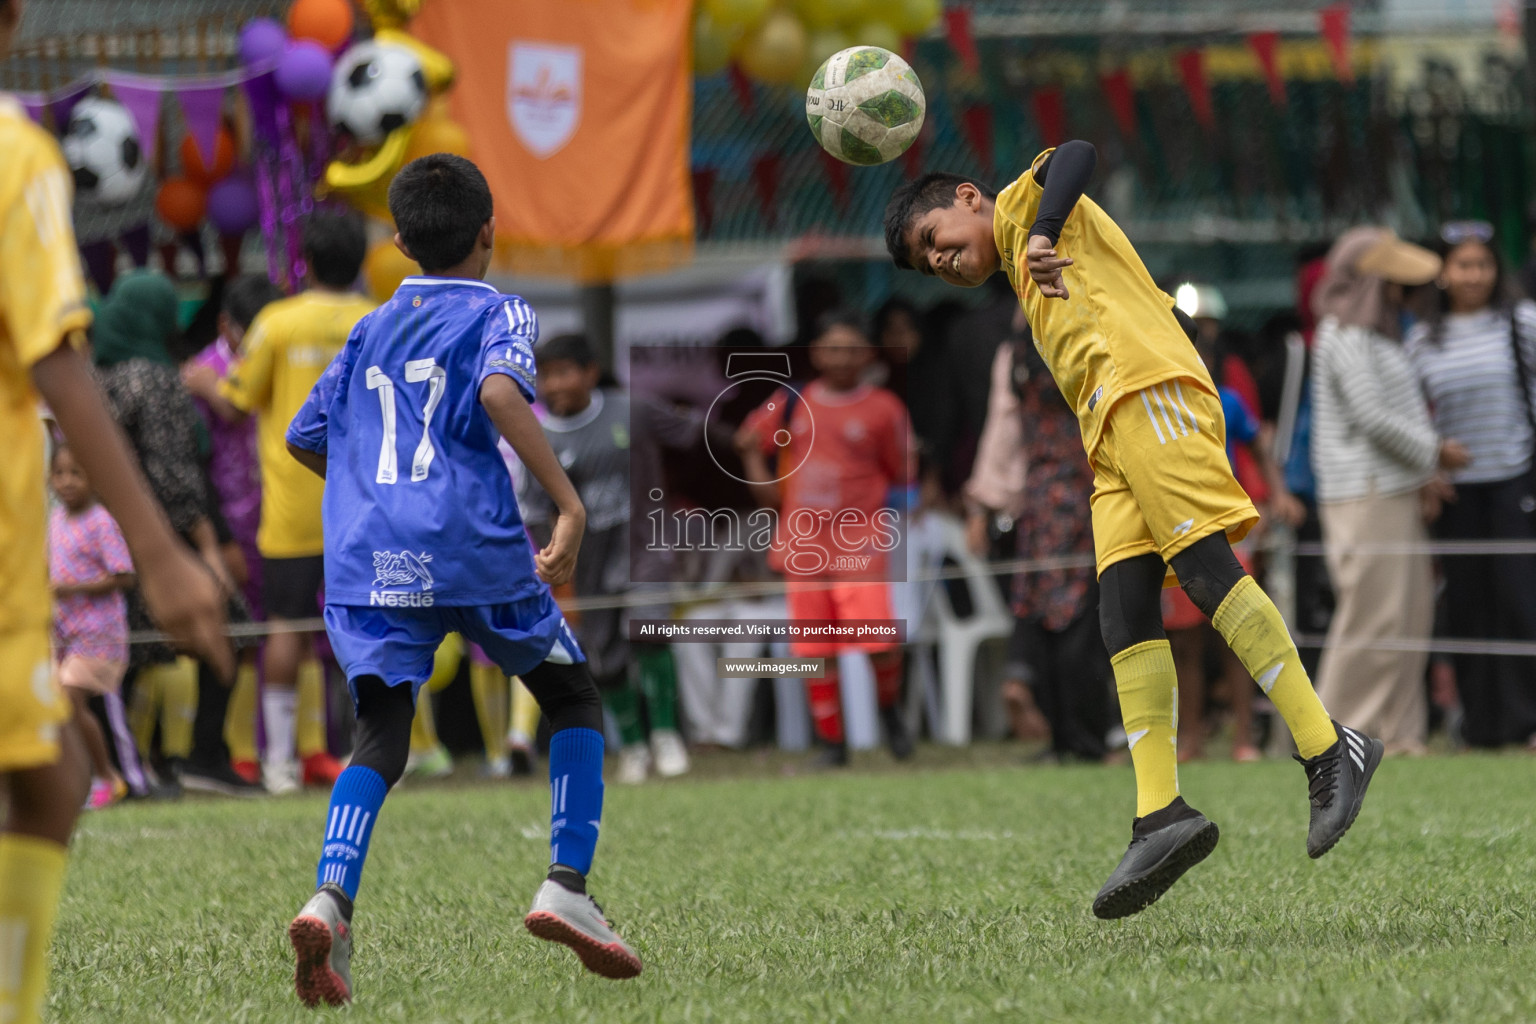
[
  {"x": 287, "y": 347},
  {"x": 43, "y": 317},
  {"x": 1165, "y": 506}
]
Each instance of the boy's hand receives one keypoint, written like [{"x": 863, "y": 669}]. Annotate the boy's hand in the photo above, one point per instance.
[
  {"x": 186, "y": 601},
  {"x": 200, "y": 379},
  {"x": 1045, "y": 267},
  {"x": 556, "y": 561}
]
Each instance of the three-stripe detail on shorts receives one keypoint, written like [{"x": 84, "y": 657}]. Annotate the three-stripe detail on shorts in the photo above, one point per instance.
[{"x": 1168, "y": 412}]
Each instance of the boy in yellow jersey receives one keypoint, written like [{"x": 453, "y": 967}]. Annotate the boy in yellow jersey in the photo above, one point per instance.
[
  {"x": 1165, "y": 505},
  {"x": 42, "y": 320},
  {"x": 287, "y": 347}
]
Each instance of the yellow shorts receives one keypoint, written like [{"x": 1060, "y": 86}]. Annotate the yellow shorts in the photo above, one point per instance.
[
  {"x": 1161, "y": 478},
  {"x": 32, "y": 705}
]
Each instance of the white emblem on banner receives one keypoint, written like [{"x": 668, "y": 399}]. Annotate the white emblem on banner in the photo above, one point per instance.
[{"x": 543, "y": 95}]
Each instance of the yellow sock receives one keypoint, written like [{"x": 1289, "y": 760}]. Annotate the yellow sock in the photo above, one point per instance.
[
  {"x": 1149, "y": 706},
  {"x": 310, "y": 714},
  {"x": 178, "y": 708},
  {"x": 31, "y": 877},
  {"x": 489, "y": 686},
  {"x": 423, "y": 728},
  {"x": 1253, "y": 627},
  {"x": 240, "y": 717},
  {"x": 525, "y": 711},
  {"x": 144, "y": 708}
]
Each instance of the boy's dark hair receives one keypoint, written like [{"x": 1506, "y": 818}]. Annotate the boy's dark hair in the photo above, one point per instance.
[
  {"x": 566, "y": 348},
  {"x": 247, "y": 295},
  {"x": 849, "y": 318},
  {"x": 334, "y": 247},
  {"x": 440, "y": 202},
  {"x": 910, "y": 201}
]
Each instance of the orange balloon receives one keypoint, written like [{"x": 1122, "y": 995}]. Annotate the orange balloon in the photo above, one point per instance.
[
  {"x": 223, "y": 159},
  {"x": 327, "y": 22},
  {"x": 181, "y": 203}
]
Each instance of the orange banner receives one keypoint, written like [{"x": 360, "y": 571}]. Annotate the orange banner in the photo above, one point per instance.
[{"x": 578, "y": 113}]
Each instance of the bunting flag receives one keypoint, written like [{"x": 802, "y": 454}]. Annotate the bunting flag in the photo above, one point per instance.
[
  {"x": 741, "y": 85},
  {"x": 203, "y": 110},
  {"x": 1051, "y": 115},
  {"x": 976, "y": 120},
  {"x": 143, "y": 103},
  {"x": 837, "y": 178},
  {"x": 766, "y": 170},
  {"x": 704, "y": 198},
  {"x": 1265, "y": 46},
  {"x": 1192, "y": 71},
  {"x": 912, "y": 159},
  {"x": 962, "y": 39},
  {"x": 1122, "y": 100},
  {"x": 1333, "y": 24}
]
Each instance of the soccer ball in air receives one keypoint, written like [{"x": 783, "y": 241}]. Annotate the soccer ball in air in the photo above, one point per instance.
[
  {"x": 375, "y": 88},
  {"x": 865, "y": 105},
  {"x": 101, "y": 146}
]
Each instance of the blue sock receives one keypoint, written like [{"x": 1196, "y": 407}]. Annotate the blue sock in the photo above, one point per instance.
[
  {"x": 355, "y": 804},
  {"x": 575, "y": 796}
]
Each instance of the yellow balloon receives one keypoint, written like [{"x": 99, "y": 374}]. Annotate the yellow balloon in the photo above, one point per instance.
[
  {"x": 878, "y": 33},
  {"x": 775, "y": 53},
  {"x": 911, "y": 17},
  {"x": 828, "y": 13},
  {"x": 736, "y": 13},
  {"x": 385, "y": 267},
  {"x": 822, "y": 44},
  {"x": 712, "y": 43},
  {"x": 436, "y": 68},
  {"x": 445, "y": 663},
  {"x": 437, "y": 135}
]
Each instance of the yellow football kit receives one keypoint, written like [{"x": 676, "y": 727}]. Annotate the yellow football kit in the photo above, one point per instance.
[
  {"x": 1149, "y": 412},
  {"x": 288, "y": 347},
  {"x": 42, "y": 300}
]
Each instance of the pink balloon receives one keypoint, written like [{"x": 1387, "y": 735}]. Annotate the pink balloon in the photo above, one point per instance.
[{"x": 304, "y": 70}]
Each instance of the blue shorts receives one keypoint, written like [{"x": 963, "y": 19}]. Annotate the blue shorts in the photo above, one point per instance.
[{"x": 397, "y": 644}]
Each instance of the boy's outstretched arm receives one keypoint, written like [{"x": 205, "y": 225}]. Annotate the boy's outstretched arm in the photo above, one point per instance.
[
  {"x": 1063, "y": 177},
  {"x": 182, "y": 595},
  {"x": 515, "y": 421}
]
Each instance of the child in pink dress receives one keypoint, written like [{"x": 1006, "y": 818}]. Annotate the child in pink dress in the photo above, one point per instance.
[{"x": 90, "y": 568}]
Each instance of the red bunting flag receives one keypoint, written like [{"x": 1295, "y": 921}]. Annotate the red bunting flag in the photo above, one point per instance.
[
  {"x": 766, "y": 171},
  {"x": 1122, "y": 100},
  {"x": 1265, "y": 46},
  {"x": 837, "y": 178},
  {"x": 1192, "y": 71},
  {"x": 912, "y": 159},
  {"x": 976, "y": 120},
  {"x": 742, "y": 86},
  {"x": 1051, "y": 115},
  {"x": 704, "y": 198},
  {"x": 962, "y": 39},
  {"x": 1333, "y": 23}
]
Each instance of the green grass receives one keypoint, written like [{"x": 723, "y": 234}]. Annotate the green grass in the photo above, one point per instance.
[{"x": 949, "y": 892}]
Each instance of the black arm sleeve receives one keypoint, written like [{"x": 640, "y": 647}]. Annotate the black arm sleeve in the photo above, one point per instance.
[{"x": 1064, "y": 175}]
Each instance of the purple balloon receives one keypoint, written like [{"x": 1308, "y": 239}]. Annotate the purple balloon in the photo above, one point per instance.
[
  {"x": 261, "y": 40},
  {"x": 304, "y": 70},
  {"x": 233, "y": 206}
]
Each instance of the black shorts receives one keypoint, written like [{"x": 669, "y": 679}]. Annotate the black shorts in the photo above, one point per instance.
[{"x": 290, "y": 587}]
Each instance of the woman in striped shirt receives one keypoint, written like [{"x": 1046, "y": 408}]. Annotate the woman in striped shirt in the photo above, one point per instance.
[
  {"x": 1474, "y": 354},
  {"x": 1374, "y": 450}
]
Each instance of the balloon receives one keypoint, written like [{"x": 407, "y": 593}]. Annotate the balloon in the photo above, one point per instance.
[
  {"x": 911, "y": 17},
  {"x": 366, "y": 185},
  {"x": 878, "y": 33},
  {"x": 829, "y": 13},
  {"x": 735, "y": 13},
  {"x": 304, "y": 70},
  {"x": 181, "y": 203},
  {"x": 437, "y": 135},
  {"x": 820, "y": 45},
  {"x": 436, "y": 68},
  {"x": 261, "y": 40},
  {"x": 712, "y": 43},
  {"x": 327, "y": 22},
  {"x": 385, "y": 267},
  {"x": 233, "y": 206},
  {"x": 192, "y": 159},
  {"x": 775, "y": 53},
  {"x": 445, "y": 662}
]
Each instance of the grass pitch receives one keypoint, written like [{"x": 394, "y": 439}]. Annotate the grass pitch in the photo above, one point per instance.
[{"x": 936, "y": 893}]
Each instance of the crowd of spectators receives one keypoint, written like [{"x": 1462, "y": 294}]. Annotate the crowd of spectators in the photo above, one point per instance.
[{"x": 1415, "y": 422}]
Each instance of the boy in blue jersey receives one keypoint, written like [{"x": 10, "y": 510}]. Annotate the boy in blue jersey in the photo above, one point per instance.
[{"x": 423, "y": 537}]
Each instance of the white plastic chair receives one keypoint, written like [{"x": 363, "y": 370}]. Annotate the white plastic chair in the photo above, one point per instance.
[{"x": 959, "y": 639}]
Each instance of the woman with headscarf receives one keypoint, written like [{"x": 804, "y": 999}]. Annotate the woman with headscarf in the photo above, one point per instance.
[
  {"x": 1375, "y": 450},
  {"x": 144, "y": 391}
]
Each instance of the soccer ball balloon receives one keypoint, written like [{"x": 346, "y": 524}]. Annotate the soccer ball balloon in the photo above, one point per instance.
[
  {"x": 865, "y": 105},
  {"x": 101, "y": 146},
  {"x": 375, "y": 88}
]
